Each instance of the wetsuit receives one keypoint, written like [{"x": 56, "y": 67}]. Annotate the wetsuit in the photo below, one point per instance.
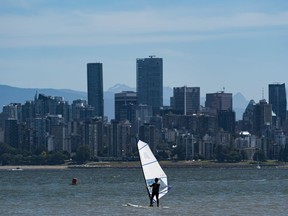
[{"x": 155, "y": 192}]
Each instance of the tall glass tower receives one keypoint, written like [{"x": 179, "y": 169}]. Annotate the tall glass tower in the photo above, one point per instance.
[
  {"x": 277, "y": 97},
  {"x": 95, "y": 87},
  {"x": 149, "y": 82}
]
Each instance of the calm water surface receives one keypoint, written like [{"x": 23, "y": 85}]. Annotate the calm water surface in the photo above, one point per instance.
[{"x": 105, "y": 191}]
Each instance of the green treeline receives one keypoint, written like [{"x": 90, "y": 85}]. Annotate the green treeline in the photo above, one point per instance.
[
  {"x": 13, "y": 156},
  {"x": 223, "y": 154}
]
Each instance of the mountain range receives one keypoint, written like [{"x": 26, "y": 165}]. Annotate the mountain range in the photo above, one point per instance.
[{"x": 9, "y": 94}]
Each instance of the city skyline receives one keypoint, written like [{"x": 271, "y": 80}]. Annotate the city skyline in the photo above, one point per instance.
[{"x": 239, "y": 46}]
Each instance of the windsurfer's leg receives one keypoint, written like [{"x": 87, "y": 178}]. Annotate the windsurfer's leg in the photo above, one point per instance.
[
  {"x": 157, "y": 198},
  {"x": 151, "y": 200}
]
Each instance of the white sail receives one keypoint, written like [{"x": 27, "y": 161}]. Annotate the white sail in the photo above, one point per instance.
[{"x": 152, "y": 169}]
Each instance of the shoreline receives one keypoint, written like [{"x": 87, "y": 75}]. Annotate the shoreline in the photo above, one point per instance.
[
  {"x": 33, "y": 167},
  {"x": 136, "y": 164}
]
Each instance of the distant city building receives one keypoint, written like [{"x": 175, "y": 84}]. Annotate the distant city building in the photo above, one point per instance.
[
  {"x": 182, "y": 131},
  {"x": 81, "y": 111},
  {"x": 219, "y": 101},
  {"x": 277, "y": 97},
  {"x": 262, "y": 117},
  {"x": 39, "y": 126},
  {"x": 95, "y": 87},
  {"x": 13, "y": 111},
  {"x": 143, "y": 114},
  {"x": 11, "y": 134},
  {"x": 93, "y": 136},
  {"x": 28, "y": 110},
  {"x": 186, "y": 100},
  {"x": 248, "y": 117},
  {"x": 226, "y": 120},
  {"x": 149, "y": 134},
  {"x": 125, "y": 106},
  {"x": 149, "y": 82},
  {"x": 248, "y": 113}
]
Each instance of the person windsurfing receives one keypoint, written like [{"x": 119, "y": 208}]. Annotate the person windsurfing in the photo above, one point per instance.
[{"x": 155, "y": 192}]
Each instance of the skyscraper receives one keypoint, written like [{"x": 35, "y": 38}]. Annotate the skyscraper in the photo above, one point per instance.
[
  {"x": 149, "y": 82},
  {"x": 219, "y": 101},
  {"x": 186, "y": 100},
  {"x": 262, "y": 116},
  {"x": 125, "y": 105},
  {"x": 277, "y": 98},
  {"x": 95, "y": 87}
]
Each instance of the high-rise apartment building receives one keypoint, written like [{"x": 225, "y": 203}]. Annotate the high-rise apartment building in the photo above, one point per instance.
[
  {"x": 11, "y": 133},
  {"x": 277, "y": 98},
  {"x": 95, "y": 87},
  {"x": 149, "y": 82},
  {"x": 186, "y": 100}
]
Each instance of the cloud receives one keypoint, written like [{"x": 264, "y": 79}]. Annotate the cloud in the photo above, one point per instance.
[{"x": 86, "y": 28}]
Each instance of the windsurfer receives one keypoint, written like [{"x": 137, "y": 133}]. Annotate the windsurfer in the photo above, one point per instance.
[{"x": 155, "y": 192}]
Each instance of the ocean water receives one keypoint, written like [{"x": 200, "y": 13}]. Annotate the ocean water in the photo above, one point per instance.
[{"x": 105, "y": 191}]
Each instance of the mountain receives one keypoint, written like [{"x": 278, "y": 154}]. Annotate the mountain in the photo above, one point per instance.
[
  {"x": 239, "y": 105},
  {"x": 119, "y": 88},
  {"x": 240, "y": 101},
  {"x": 9, "y": 94}
]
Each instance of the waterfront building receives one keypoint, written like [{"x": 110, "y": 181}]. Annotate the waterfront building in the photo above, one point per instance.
[
  {"x": 93, "y": 136},
  {"x": 149, "y": 82},
  {"x": 11, "y": 133},
  {"x": 95, "y": 87}
]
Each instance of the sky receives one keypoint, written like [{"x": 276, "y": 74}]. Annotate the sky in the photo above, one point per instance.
[{"x": 231, "y": 45}]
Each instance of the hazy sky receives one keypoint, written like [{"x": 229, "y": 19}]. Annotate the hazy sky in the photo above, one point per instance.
[{"x": 239, "y": 45}]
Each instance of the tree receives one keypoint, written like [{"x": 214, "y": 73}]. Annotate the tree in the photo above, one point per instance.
[
  {"x": 227, "y": 154},
  {"x": 283, "y": 154},
  {"x": 5, "y": 148},
  {"x": 82, "y": 154},
  {"x": 259, "y": 156},
  {"x": 56, "y": 158},
  {"x": 178, "y": 153},
  {"x": 7, "y": 159}
]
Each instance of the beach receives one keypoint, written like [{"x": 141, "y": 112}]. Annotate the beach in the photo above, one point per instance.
[
  {"x": 136, "y": 164},
  {"x": 33, "y": 167}
]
